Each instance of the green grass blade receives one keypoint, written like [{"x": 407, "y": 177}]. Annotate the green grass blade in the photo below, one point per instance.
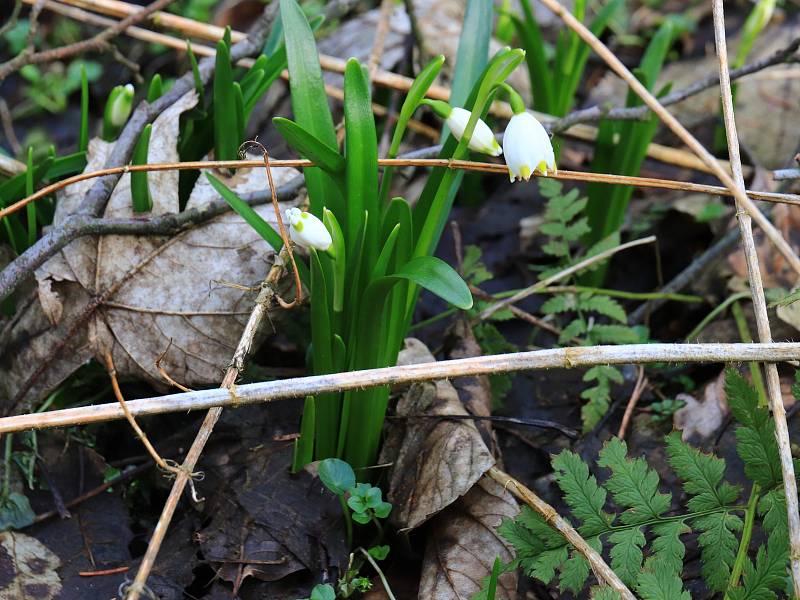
[
  {"x": 539, "y": 70},
  {"x": 83, "y": 132},
  {"x": 140, "y": 190},
  {"x": 198, "y": 82},
  {"x": 473, "y": 49},
  {"x": 30, "y": 208},
  {"x": 310, "y": 147},
  {"x": 156, "y": 89},
  {"x": 226, "y": 121},
  {"x": 309, "y": 102},
  {"x": 304, "y": 445}
]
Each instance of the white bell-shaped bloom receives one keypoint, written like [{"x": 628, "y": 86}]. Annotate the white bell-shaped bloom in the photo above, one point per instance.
[
  {"x": 482, "y": 139},
  {"x": 527, "y": 147},
  {"x": 308, "y": 231},
  {"x": 121, "y": 105}
]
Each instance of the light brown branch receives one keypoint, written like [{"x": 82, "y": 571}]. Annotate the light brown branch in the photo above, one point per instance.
[
  {"x": 670, "y": 121},
  {"x": 759, "y": 302},
  {"x": 641, "y": 384},
  {"x": 599, "y": 567},
  {"x": 555, "y": 358}
]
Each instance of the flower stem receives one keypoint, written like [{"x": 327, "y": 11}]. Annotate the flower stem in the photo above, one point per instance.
[{"x": 348, "y": 522}]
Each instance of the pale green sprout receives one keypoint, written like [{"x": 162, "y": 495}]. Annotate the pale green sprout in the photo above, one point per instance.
[{"x": 118, "y": 109}]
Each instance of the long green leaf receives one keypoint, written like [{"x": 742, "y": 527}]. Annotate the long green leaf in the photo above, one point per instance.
[
  {"x": 309, "y": 102},
  {"x": 30, "y": 208},
  {"x": 140, "y": 191},
  {"x": 434, "y": 275},
  {"x": 83, "y": 132},
  {"x": 226, "y": 125},
  {"x": 473, "y": 49},
  {"x": 309, "y": 146},
  {"x": 304, "y": 445},
  {"x": 539, "y": 70}
]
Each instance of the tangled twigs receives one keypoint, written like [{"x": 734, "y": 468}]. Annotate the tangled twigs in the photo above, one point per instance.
[
  {"x": 169, "y": 467},
  {"x": 163, "y": 372},
  {"x": 759, "y": 303},
  {"x": 287, "y": 243},
  {"x": 600, "y": 568},
  {"x": 97, "y": 42}
]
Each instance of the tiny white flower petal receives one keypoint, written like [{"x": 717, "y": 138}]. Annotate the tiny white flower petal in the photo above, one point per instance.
[
  {"x": 482, "y": 139},
  {"x": 527, "y": 147},
  {"x": 308, "y": 231}
]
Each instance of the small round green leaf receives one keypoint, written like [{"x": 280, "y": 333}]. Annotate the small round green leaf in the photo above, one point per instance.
[{"x": 336, "y": 475}]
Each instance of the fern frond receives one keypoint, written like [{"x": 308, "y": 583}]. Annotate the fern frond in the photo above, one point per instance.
[
  {"x": 633, "y": 484},
  {"x": 613, "y": 334},
  {"x": 605, "y": 373},
  {"x": 761, "y": 581},
  {"x": 755, "y": 438},
  {"x": 718, "y": 545},
  {"x": 658, "y": 584},
  {"x": 668, "y": 549},
  {"x": 626, "y": 553},
  {"x": 599, "y": 399},
  {"x": 605, "y": 306},
  {"x": 581, "y": 493}
]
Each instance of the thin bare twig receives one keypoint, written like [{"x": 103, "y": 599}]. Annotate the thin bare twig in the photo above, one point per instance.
[
  {"x": 543, "y": 283},
  {"x": 670, "y": 121},
  {"x": 599, "y": 567},
  {"x": 641, "y": 384},
  {"x": 297, "y": 387},
  {"x": 94, "y": 43},
  {"x": 759, "y": 303}
]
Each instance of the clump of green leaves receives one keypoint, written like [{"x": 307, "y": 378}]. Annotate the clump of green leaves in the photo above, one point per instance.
[
  {"x": 642, "y": 531},
  {"x": 593, "y": 317}
]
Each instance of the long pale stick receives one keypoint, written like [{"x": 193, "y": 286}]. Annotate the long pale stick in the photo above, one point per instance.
[
  {"x": 298, "y": 387},
  {"x": 670, "y": 121},
  {"x": 759, "y": 303}
]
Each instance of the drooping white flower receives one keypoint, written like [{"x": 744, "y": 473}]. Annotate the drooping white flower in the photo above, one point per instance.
[
  {"x": 527, "y": 147},
  {"x": 482, "y": 139},
  {"x": 307, "y": 231},
  {"x": 120, "y": 104}
]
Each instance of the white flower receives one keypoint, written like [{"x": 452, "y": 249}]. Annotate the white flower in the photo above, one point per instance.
[
  {"x": 121, "y": 104},
  {"x": 482, "y": 139},
  {"x": 527, "y": 148},
  {"x": 308, "y": 231}
]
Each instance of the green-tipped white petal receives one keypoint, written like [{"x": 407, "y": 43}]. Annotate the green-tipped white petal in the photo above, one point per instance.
[
  {"x": 482, "y": 137},
  {"x": 121, "y": 106},
  {"x": 527, "y": 148},
  {"x": 308, "y": 231}
]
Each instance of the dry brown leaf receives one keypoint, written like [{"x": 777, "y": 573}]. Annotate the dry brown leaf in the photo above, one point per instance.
[
  {"x": 464, "y": 543},
  {"x": 700, "y": 419},
  {"x": 27, "y": 568},
  {"x": 179, "y": 295},
  {"x": 435, "y": 461}
]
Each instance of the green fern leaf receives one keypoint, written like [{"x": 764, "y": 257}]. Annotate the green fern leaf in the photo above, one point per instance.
[
  {"x": 581, "y": 493},
  {"x": 772, "y": 510},
  {"x": 668, "y": 549},
  {"x": 575, "y": 571},
  {"x": 558, "y": 304},
  {"x": 575, "y": 231},
  {"x": 755, "y": 438},
  {"x": 633, "y": 485},
  {"x": 701, "y": 474},
  {"x": 762, "y": 580},
  {"x": 626, "y": 553},
  {"x": 604, "y": 373},
  {"x": 612, "y": 241},
  {"x": 553, "y": 229},
  {"x": 599, "y": 399},
  {"x": 661, "y": 584},
  {"x": 603, "y": 593},
  {"x": 604, "y": 306},
  {"x": 718, "y": 545},
  {"x": 613, "y": 334},
  {"x": 573, "y": 330},
  {"x": 549, "y": 187},
  {"x": 556, "y": 248},
  {"x": 543, "y": 566},
  {"x": 472, "y": 267}
]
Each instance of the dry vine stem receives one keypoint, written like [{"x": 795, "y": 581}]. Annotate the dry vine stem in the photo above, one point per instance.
[
  {"x": 467, "y": 165},
  {"x": 599, "y": 567},
  {"x": 297, "y": 387},
  {"x": 759, "y": 303},
  {"x": 670, "y": 121}
]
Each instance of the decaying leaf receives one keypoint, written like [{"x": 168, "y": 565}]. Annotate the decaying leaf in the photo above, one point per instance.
[
  {"x": 189, "y": 292},
  {"x": 700, "y": 419},
  {"x": 27, "y": 568},
  {"x": 464, "y": 543},
  {"x": 436, "y": 461}
]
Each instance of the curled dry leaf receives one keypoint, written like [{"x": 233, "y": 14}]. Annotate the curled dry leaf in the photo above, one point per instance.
[
  {"x": 436, "y": 461},
  {"x": 700, "y": 419},
  {"x": 464, "y": 543},
  {"x": 190, "y": 293},
  {"x": 27, "y": 568}
]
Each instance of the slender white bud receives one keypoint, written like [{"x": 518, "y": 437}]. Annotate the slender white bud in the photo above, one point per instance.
[
  {"x": 482, "y": 139},
  {"x": 307, "y": 231}
]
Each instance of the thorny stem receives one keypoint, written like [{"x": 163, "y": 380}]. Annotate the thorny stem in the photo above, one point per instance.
[
  {"x": 759, "y": 302},
  {"x": 378, "y": 570}
]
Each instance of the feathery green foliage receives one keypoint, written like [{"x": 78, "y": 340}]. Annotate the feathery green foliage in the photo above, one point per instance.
[
  {"x": 596, "y": 318},
  {"x": 643, "y": 532}
]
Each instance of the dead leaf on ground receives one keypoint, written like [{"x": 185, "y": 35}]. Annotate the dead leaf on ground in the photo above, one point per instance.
[
  {"x": 27, "y": 568},
  {"x": 435, "y": 461},
  {"x": 700, "y": 419},
  {"x": 181, "y": 293},
  {"x": 463, "y": 545}
]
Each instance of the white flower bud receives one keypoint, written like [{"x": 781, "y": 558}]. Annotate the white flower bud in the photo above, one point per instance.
[
  {"x": 527, "y": 148},
  {"x": 482, "y": 139},
  {"x": 121, "y": 105},
  {"x": 307, "y": 231}
]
